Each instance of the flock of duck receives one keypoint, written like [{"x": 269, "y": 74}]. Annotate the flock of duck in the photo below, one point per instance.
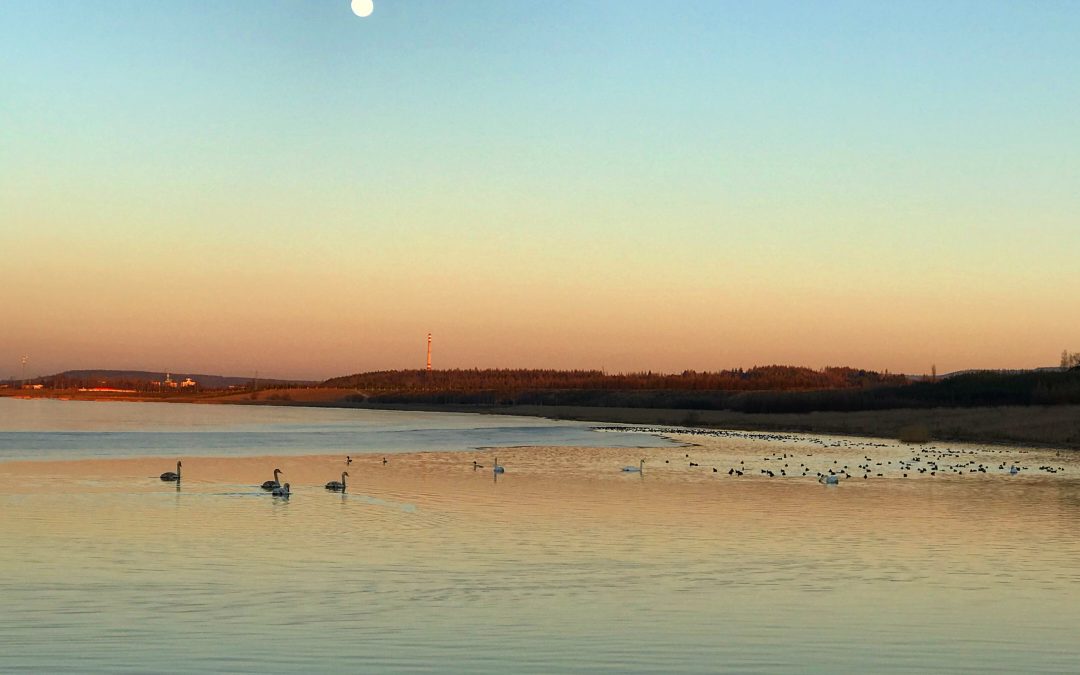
[{"x": 928, "y": 460}]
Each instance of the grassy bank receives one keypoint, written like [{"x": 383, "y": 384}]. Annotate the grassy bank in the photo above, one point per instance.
[{"x": 1052, "y": 426}]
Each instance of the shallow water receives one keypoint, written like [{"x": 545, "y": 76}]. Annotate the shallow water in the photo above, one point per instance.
[
  {"x": 562, "y": 564},
  {"x": 57, "y": 429}
]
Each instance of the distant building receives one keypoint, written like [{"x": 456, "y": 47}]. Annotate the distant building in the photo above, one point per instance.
[{"x": 188, "y": 382}]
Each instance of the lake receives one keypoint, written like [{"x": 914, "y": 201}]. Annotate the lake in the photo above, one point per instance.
[{"x": 564, "y": 563}]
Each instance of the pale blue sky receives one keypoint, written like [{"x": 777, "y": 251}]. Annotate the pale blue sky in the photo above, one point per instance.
[{"x": 621, "y": 184}]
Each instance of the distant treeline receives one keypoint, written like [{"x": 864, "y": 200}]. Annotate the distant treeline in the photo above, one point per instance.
[
  {"x": 868, "y": 391},
  {"x": 147, "y": 381},
  {"x": 518, "y": 381}
]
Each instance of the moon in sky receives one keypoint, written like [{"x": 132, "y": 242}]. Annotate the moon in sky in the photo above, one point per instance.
[{"x": 363, "y": 8}]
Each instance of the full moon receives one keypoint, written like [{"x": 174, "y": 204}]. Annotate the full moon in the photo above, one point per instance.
[{"x": 363, "y": 7}]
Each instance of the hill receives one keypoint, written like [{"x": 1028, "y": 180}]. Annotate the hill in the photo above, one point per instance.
[
  {"x": 768, "y": 389},
  {"x": 142, "y": 380},
  {"x": 511, "y": 381}
]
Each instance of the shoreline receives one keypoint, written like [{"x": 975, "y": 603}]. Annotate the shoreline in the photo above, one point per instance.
[
  {"x": 1055, "y": 427},
  {"x": 1033, "y": 426}
]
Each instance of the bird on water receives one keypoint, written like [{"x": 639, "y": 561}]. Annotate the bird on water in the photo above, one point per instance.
[
  {"x": 271, "y": 484},
  {"x": 170, "y": 476},
  {"x": 338, "y": 486},
  {"x": 498, "y": 467},
  {"x": 282, "y": 491},
  {"x": 635, "y": 469}
]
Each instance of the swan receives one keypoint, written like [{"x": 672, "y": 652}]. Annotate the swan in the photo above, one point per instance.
[
  {"x": 498, "y": 468},
  {"x": 282, "y": 491},
  {"x": 271, "y": 484},
  {"x": 829, "y": 480},
  {"x": 170, "y": 476},
  {"x": 635, "y": 469},
  {"x": 336, "y": 486}
]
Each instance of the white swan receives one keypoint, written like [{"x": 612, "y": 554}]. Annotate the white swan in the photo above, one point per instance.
[
  {"x": 336, "y": 486},
  {"x": 172, "y": 477},
  {"x": 635, "y": 469}
]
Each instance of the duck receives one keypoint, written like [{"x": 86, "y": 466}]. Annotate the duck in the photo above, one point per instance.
[
  {"x": 271, "y": 484},
  {"x": 335, "y": 485},
  {"x": 171, "y": 477},
  {"x": 635, "y": 469},
  {"x": 282, "y": 491}
]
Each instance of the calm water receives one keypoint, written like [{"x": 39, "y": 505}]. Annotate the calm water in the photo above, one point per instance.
[
  {"x": 562, "y": 564},
  {"x": 55, "y": 429}
]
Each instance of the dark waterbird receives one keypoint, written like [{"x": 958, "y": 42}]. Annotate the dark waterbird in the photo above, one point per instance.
[
  {"x": 271, "y": 484},
  {"x": 338, "y": 486},
  {"x": 282, "y": 491},
  {"x": 172, "y": 477}
]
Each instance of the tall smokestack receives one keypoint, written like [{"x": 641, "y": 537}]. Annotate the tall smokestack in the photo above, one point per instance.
[{"x": 429, "y": 351}]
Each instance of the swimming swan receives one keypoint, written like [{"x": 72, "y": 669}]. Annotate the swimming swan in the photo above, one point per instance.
[
  {"x": 282, "y": 491},
  {"x": 635, "y": 469},
  {"x": 271, "y": 484},
  {"x": 498, "y": 468},
  {"x": 336, "y": 486},
  {"x": 170, "y": 476}
]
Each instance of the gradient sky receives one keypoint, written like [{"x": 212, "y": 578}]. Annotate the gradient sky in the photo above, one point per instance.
[{"x": 227, "y": 187}]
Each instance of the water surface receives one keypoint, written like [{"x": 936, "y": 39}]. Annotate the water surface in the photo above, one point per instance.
[{"x": 562, "y": 564}]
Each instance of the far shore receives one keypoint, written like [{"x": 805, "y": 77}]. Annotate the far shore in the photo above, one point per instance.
[{"x": 1043, "y": 426}]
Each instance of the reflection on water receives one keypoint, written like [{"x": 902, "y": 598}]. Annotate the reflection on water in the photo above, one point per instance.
[
  {"x": 564, "y": 564},
  {"x": 54, "y": 429}
]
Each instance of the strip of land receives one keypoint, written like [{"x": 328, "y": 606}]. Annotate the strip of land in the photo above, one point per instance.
[
  {"x": 1043, "y": 426},
  {"x": 1055, "y": 426}
]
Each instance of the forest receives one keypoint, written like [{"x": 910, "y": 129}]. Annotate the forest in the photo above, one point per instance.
[
  {"x": 516, "y": 381},
  {"x": 768, "y": 389}
]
